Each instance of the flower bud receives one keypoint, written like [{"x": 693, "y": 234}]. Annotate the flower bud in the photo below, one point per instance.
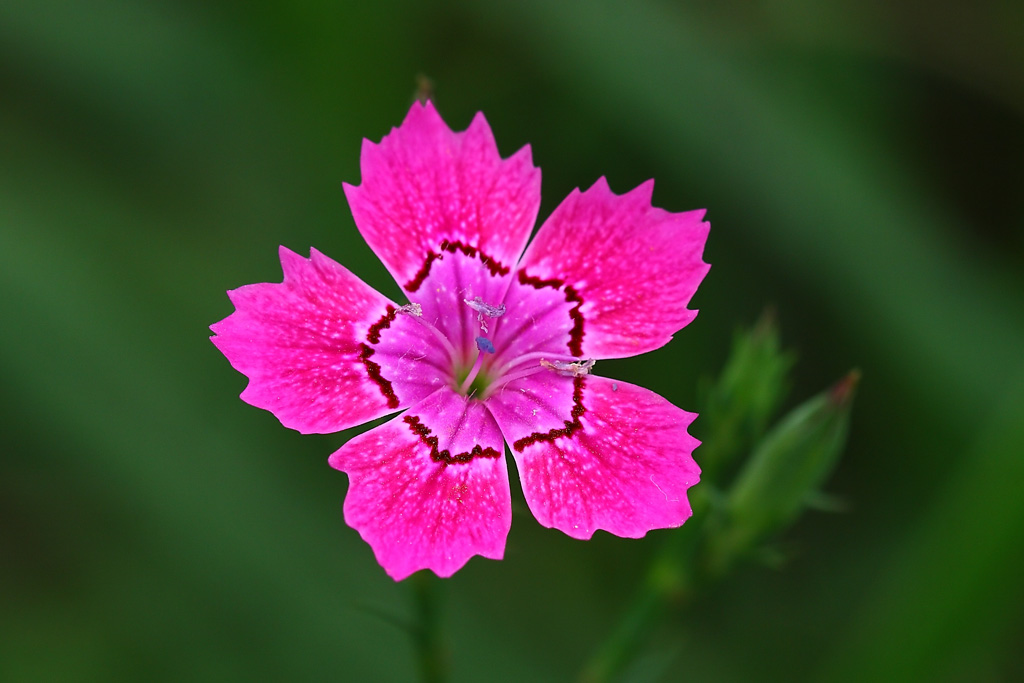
[
  {"x": 785, "y": 471},
  {"x": 737, "y": 408}
]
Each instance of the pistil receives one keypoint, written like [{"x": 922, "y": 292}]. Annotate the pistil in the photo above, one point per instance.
[{"x": 474, "y": 371}]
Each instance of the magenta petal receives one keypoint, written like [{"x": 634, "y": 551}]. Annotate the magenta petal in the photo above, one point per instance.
[
  {"x": 429, "y": 489},
  {"x": 634, "y": 266},
  {"x": 623, "y": 462},
  {"x": 298, "y": 342},
  {"x": 426, "y": 189}
]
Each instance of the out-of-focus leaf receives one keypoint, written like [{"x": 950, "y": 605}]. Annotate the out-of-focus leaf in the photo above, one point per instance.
[{"x": 961, "y": 566}]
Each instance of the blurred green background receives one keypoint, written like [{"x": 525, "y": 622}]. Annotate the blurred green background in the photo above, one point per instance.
[{"x": 863, "y": 167}]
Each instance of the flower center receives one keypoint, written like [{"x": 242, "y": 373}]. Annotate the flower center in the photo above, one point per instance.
[
  {"x": 475, "y": 381},
  {"x": 490, "y": 370},
  {"x": 477, "y": 332},
  {"x": 478, "y": 385}
]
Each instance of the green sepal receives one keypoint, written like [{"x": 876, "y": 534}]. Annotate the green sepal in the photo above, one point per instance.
[{"x": 784, "y": 473}]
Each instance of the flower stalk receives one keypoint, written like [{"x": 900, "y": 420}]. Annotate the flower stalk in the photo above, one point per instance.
[
  {"x": 668, "y": 586},
  {"x": 431, "y": 653}
]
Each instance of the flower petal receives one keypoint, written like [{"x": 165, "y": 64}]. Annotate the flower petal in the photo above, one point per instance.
[
  {"x": 299, "y": 343},
  {"x": 633, "y": 266},
  {"x": 620, "y": 461},
  {"x": 426, "y": 190},
  {"x": 429, "y": 490}
]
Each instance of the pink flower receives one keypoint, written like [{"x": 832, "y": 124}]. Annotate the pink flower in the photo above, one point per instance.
[{"x": 496, "y": 346}]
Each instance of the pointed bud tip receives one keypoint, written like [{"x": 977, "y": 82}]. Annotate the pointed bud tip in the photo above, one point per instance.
[
  {"x": 767, "y": 324},
  {"x": 424, "y": 89},
  {"x": 842, "y": 391}
]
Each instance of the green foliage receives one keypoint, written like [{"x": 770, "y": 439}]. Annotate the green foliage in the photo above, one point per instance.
[
  {"x": 735, "y": 410},
  {"x": 861, "y": 167},
  {"x": 782, "y": 471}
]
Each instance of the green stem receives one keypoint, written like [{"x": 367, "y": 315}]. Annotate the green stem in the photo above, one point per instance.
[
  {"x": 430, "y": 650},
  {"x": 618, "y": 650},
  {"x": 668, "y": 586}
]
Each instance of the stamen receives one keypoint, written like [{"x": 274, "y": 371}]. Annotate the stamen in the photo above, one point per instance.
[
  {"x": 416, "y": 311},
  {"x": 573, "y": 369},
  {"x": 505, "y": 379},
  {"x": 563, "y": 368},
  {"x": 484, "y": 310},
  {"x": 529, "y": 358}
]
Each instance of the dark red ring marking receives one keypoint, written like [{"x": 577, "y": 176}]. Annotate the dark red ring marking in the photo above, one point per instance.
[
  {"x": 424, "y": 271},
  {"x": 373, "y": 370},
  {"x": 570, "y": 425},
  {"x": 452, "y": 247},
  {"x": 573, "y": 297},
  {"x": 445, "y": 456},
  {"x": 373, "y": 335}
]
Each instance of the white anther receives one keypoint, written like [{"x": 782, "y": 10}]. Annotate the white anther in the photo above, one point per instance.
[
  {"x": 414, "y": 310},
  {"x": 484, "y": 311},
  {"x": 574, "y": 369}
]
